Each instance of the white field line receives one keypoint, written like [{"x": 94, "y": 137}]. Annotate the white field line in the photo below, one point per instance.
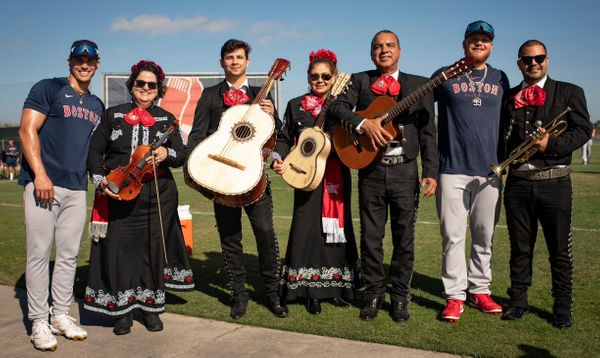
[{"x": 285, "y": 217}]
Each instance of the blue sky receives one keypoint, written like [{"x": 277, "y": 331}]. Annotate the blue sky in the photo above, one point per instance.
[{"x": 186, "y": 36}]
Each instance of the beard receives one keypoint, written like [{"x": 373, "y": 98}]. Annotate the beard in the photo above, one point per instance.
[{"x": 480, "y": 57}]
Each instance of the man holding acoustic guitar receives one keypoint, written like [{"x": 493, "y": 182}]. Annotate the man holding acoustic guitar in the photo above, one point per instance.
[
  {"x": 235, "y": 91},
  {"x": 393, "y": 180}
]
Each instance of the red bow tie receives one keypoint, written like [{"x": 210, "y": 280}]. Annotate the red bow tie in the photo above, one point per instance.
[
  {"x": 139, "y": 115},
  {"x": 534, "y": 96},
  {"x": 312, "y": 104},
  {"x": 235, "y": 97},
  {"x": 386, "y": 84}
]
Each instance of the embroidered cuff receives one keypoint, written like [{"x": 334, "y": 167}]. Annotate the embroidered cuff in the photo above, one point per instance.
[
  {"x": 97, "y": 179},
  {"x": 172, "y": 152},
  {"x": 276, "y": 156}
]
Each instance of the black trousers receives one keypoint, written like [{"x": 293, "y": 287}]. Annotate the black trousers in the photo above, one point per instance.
[
  {"x": 229, "y": 225},
  {"x": 381, "y": 187},
  {"x": 549, "y": 202}
]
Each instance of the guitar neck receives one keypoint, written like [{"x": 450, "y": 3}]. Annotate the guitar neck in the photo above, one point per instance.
[
  {"x": 323, "y": 114},
  {"x": 264, "y": 91},
  {"x": 411, "y": 99}
]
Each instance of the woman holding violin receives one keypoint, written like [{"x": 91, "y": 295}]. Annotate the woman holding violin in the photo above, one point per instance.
[
  {"x": 138, "y": 249},
  {"x": 321, "y": 260}
]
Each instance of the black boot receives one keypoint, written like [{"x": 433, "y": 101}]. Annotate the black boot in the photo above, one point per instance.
[
  {"x": 152, "y": 322},
  {"x": 371, "y": 308},
  {"x": 399, "y": 310},
  {"x": 123, "y": 325},
  {"x": 313, "y": 306}
]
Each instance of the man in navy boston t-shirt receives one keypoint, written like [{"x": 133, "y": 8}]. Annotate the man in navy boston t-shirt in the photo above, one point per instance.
[{"x": 58, "y": 118}]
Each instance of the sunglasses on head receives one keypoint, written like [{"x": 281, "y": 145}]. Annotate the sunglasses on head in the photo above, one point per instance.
[
  {"x": 480, "y": 26},
  {"x": 316, "y": 76},
  {"x": 84, "y": 50},
  {"x": 142, "y": 83},
  {"x": 528, "y": 60}
]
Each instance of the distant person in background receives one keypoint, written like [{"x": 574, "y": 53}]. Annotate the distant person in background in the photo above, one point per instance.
[
  {"x": 2, "y": 161},
  {"x": 58, "y": 118},
  {"x": 586, "y": 150},
  {"x": 12, "y": 159}
]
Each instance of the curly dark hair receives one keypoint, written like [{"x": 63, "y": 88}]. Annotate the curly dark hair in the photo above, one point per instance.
[
  {"x": 150, "y": 66},
  {"x": 231, "y": 45}
]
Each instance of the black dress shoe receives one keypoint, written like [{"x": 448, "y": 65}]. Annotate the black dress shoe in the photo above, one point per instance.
[
  {"x": 340, "y": 302},
  {"x": 152, "y": 322},
  {"x": 313, "y": 306},
  {"x": 238, "y": 309},
  {"x": 399, "y": 311},
  {"x": 123, "y": 325},
  {"x": 279, "y": 310},
  {"x": 562, "y": 320},
  {"x": 370, "y": 308},
  {"x": 514, "y": 313}
]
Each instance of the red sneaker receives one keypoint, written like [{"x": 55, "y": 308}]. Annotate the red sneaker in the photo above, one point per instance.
[
  {"x": 484, "y": 303},
  {"x": 452, "y": 311}
]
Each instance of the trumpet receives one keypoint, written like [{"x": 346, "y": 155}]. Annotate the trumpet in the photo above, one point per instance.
[{"x": 524, "y": 151}]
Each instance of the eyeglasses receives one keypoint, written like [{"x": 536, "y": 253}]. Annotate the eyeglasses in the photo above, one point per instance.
[
  {"x": 84, "y": 50},
  {"x": 316, "y": 76},
  {"x": 528, "y": 60},
  {"x": 141, "y": 84}
]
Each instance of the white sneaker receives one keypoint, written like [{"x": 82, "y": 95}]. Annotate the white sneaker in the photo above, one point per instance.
[
  {"x": 42, "y": 337},
  {"x": 64, "y": 325}
]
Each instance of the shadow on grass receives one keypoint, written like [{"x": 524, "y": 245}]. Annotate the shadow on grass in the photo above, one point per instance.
[{"x": 531, "y": 351}]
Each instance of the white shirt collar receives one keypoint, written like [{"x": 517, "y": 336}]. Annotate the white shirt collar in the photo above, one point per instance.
[
  {"x": 540, "y": 83},
  {"x": 396, "y": 74},
  {"x": 244, "y": 87}
]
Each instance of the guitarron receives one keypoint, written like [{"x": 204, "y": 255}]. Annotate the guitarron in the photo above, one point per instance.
[
  {"x": 355, "y": 150},
  {"x": 306, "y": 161},
  {"x": 229, "y": 165}
]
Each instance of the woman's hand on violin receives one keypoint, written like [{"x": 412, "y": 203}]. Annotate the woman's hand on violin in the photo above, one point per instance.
[
  {"x": 159, "y": 154},
  {"x": 106, "y": 191}
]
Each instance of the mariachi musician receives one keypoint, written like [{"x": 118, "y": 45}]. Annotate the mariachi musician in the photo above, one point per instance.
[
  {"x": 234, "y": 90},
  {"x": 129, "y": 268},
  {"x": 540, "y": 189},
  {"x": 394, "y": 181}
]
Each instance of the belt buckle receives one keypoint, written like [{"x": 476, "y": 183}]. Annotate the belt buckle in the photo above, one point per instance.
[{"x": 387, "y": 160}]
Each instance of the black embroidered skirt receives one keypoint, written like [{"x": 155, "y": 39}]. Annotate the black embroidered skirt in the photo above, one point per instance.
[
  {"x": 128, "y": 268},
  {"x": 313, "y": 268}
]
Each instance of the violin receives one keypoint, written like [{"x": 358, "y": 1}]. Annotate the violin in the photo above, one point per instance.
[{"x": 127, "y": 181}]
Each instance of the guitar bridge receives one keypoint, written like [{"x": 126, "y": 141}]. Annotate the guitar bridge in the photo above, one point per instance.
[
  {"x": 226, "y": 161},
  {"x": 297, "y": 169}
]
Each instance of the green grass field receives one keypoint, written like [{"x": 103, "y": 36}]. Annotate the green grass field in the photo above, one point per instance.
[{"x": 476, "y": 334}]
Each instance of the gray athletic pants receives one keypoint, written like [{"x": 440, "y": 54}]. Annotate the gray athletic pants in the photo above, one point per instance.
[
  {"x": 458, "y": 198},
  {"x": 61, "y": 223}
]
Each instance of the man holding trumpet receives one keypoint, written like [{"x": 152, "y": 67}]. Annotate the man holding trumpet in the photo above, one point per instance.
[{"x": 538, "y": 187}]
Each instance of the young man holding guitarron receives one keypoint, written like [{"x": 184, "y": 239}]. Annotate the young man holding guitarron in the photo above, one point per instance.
[
  {"x": 234, "y": 90},
  {"x": 394, "y": 181}
]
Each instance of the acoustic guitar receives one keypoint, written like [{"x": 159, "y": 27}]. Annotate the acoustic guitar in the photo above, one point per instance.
[
  {"x": 306, "y": 161},
  {"x": 356, "y": 150},
  {"x": 229, "y": 165}
]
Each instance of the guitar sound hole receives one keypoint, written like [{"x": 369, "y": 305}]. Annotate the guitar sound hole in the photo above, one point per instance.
[
  {"x": 308, "y": 147},
  {"x": 243, "y": 132}
]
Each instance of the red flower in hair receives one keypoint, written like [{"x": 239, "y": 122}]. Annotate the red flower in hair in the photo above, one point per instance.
[
  {"x": 135, "y": 68},
  {"x": 323, "y": 54}
]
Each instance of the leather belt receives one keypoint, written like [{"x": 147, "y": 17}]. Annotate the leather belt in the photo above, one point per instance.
[
  {"x": 544, "y": 174},
  {"x": 387, "y": 160}
]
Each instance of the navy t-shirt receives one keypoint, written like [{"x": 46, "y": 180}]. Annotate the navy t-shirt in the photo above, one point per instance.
[
  {"x": 66, "y": 132},
  {"x": 468, "y": 134}
]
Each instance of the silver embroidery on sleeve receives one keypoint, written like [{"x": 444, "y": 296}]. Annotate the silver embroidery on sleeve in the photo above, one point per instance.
[{"x": 116, "y": 133}]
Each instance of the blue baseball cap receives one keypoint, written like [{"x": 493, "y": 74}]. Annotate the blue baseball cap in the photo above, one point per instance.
[
  {"x": 84, "y": 48},
  {"x": 480, "y": 27}
]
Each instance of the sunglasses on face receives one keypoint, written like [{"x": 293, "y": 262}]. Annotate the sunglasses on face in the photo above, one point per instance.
[
  {"x": 84, "y": 50},
  {"x": 141, "y": 84},
  {"x": 316, "y": 76},
  {"x": 528, "y": 60}
]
